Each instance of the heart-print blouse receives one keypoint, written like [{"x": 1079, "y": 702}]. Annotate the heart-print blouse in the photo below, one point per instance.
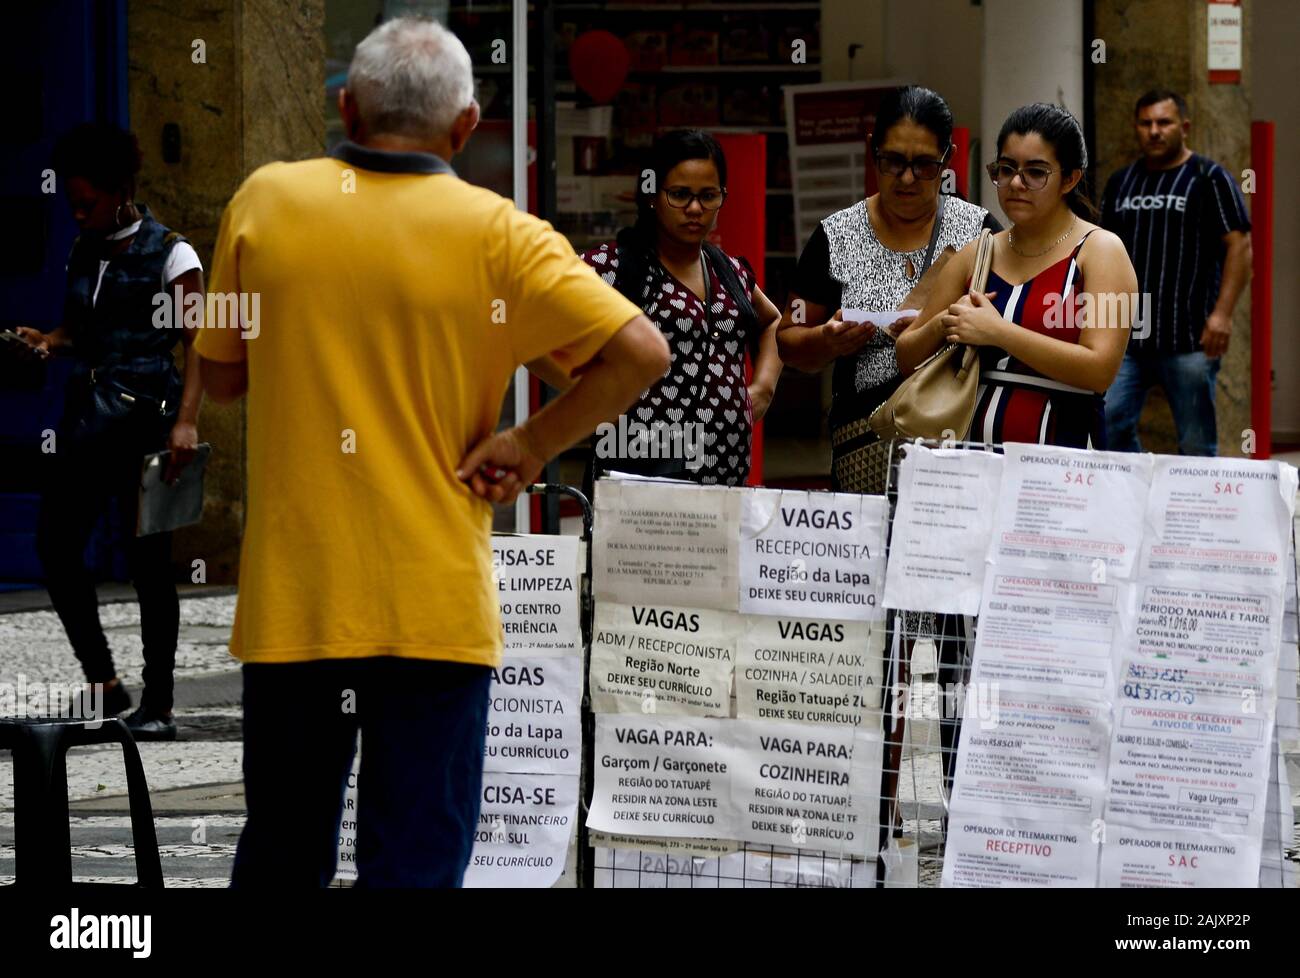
[{"x": 706, "y": 384}]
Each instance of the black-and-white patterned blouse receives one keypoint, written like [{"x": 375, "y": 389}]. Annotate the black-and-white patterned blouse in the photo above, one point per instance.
[
  {"x": 706, "y": 383},
  {"x": 844, "y": 265}
]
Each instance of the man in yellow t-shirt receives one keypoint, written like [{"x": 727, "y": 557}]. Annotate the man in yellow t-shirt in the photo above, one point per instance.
[{"x": 374, "y": 307}]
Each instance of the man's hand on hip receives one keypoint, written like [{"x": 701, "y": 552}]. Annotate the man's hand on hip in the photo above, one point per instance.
[
  {"x": 1217, "y": 332},
  {"x": 501, "y": 466}
]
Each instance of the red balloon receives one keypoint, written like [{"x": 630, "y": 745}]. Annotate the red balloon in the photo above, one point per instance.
[{"x": 598, "y": 61}]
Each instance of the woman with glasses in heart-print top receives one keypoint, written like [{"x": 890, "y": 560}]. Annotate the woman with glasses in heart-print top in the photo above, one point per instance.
[{"x": 701, "y": 413}]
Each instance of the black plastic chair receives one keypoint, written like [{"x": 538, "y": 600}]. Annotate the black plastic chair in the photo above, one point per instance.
[{"x": 42, "y": 838}]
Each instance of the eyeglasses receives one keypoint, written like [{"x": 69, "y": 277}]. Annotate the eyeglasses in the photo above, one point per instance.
[
  {"x": 1033, "y": 177},
  {"x": 681, "y": 197},
  {"x": 895, "y": 165}
]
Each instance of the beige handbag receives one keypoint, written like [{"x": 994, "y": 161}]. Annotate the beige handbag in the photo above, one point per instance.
[{"x": 938, "y": 399}]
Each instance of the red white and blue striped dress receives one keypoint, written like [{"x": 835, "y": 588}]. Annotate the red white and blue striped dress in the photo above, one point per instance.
[{"x": 1016, "y": 402}]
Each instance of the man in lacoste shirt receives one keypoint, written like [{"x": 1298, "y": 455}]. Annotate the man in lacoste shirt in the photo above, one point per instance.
[{"x": 1184, "y": 223}]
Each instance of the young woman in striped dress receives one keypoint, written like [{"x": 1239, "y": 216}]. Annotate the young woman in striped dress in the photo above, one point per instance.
[
  {"x": 1053, "y": 323},
  {"x": 1051, "y": 326}
]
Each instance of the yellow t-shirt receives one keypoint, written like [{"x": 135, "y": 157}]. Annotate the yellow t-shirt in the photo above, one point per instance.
[{"x": 389, "y": 321}]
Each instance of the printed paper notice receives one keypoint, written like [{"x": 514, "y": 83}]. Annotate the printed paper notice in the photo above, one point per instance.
[
  {"x": 808, "y": 787},
  {"x": 1202, "y": 768},
  {"x": 665, "y": 543},
  {"x": 942, "y": 528},
  {"x": 1221, "y": 521},
  {"x": 814, "y": 555},
  {"x": 535, "y": 716},
  {"x": 537, "y": 586},
  {"x": 1062, "y": 508},
  {"x": 1041, "y": 633},
  {"x": 785, "y": 784},
  {"x": 661, "y": 660},
  {"x": 1040, "y": 757},
  {"x": 1134, "y": 858},
  {"x": 825, "y": 672},
  {"x": 990, "y": 852},
  {"x": 524, "y": 826},
  {"x": 662, "y": 776}
]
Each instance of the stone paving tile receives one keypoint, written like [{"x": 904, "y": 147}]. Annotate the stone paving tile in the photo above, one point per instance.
[
  {"x": 171, "y": 883},
  {"x": 94, "y": 772},
  {"x": 34, "y": 645},
  {"x": 162, "y": 823},
  {"x": 113, "y": 851}
]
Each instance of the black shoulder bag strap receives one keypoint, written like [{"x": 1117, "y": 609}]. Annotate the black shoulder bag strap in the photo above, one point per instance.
[{"x": 934, "y": 239}]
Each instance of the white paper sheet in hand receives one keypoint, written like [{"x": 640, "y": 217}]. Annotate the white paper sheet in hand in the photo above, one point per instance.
[
  {"x": 881, "y": 320},
  {"x": 942, "y": 528}
]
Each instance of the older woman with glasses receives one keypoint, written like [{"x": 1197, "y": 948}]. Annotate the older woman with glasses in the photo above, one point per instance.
[
  {"x": 697, "y": 421},
  {"x": 870, "y": 257}
]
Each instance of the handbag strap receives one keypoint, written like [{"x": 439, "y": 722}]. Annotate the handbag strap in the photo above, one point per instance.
[
  {"x": 934, "y": 238},
  {"x": 979, "y": 280},
  {"x": 983, "y": 261}
]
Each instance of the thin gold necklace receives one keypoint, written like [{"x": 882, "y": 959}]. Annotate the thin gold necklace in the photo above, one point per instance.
[{"x": 1011, "y": 240}]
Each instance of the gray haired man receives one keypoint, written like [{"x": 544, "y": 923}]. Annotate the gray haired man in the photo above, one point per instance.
[{"x": 396, "y": 303}]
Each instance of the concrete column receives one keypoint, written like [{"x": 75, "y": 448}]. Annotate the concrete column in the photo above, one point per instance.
[
  {"x": 245, "y": 82},
  {"x": 938, "y": 45},
  {"x": 1162, "y": 43},
  {"x": 1033, "y": 52}
]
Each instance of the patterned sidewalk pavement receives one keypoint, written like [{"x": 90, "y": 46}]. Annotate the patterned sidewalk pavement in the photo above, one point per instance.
[{"x": 195, "y": 784}]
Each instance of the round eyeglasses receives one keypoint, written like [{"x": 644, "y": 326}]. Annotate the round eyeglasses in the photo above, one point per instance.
[
  {"x": 681, "y": 197},
  {"x": 1033, "y": 177}
]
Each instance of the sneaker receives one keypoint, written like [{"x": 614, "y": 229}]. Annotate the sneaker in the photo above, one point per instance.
[{"x": 145, "y": 725}]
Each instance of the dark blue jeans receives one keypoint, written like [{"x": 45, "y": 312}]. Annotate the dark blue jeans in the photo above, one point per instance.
[
  {"x": 423, "y": 725},
  {"x": 1189, "y": 382}
]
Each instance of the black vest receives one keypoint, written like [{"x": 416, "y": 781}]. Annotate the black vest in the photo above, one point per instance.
[{"x": 115, "y": 335}]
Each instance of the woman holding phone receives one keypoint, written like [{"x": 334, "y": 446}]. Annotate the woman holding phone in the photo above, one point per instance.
[{"x": 125, "y": 399}]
